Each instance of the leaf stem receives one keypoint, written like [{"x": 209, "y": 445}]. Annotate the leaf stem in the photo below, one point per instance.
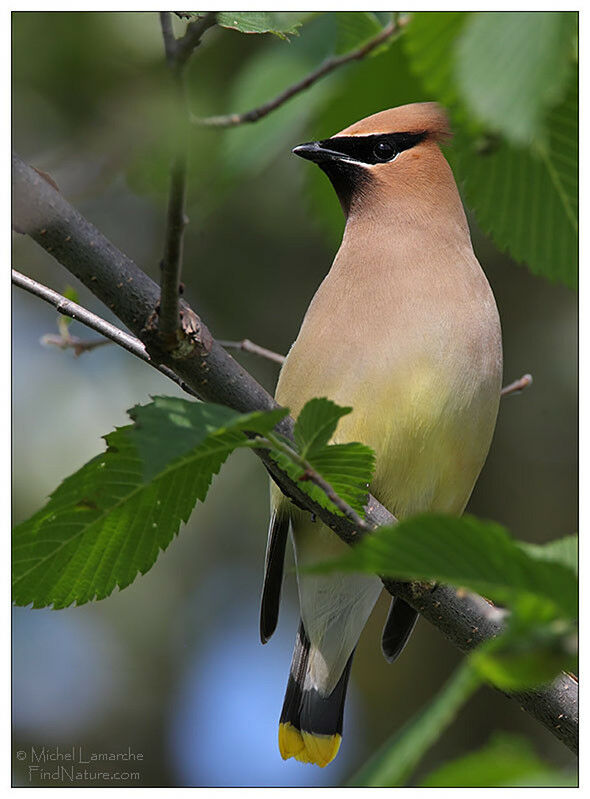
[{"x": 309, "y": 473}]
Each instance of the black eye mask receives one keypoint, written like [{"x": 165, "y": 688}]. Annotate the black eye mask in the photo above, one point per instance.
[{"x": 376, "y": 149}]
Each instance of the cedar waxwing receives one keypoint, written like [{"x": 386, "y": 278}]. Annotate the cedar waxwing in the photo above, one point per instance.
[{"x": 405, "y": 329}]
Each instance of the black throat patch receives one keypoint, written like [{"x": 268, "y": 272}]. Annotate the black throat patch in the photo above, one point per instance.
[
  {"x": 347, "y": 173},
  {"x": 347, "y": 179}
]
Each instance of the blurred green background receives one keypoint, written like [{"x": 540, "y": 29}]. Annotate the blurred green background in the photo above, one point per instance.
[{"x": 172, "y": 666}]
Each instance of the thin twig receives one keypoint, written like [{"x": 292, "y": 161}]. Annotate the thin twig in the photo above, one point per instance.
[
  {"x": 249, "y": 346},
  {"x": 169, "y": 309},
  {"x": 168, "y": 36},
  {"x": 231, "y": 120},
  {"x": 517, "y": 386},
  {"x": 193, "y": 35},
  {"x": 94, "y": 322},
  {"x": 64, "y": 339},
  {"x": 178, "y": 52},
  {"x": 68, "y": 342},
  {"x": 169, "y": 313}
]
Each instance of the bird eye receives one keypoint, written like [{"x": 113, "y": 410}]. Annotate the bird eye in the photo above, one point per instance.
[{"x": 384, "y": 151}]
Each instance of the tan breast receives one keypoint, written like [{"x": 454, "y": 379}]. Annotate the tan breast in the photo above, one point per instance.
[{"x": 409, "y": 336}]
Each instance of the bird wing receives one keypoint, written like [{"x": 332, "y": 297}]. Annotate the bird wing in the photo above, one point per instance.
[
  {"x": 401, "y": 620},
  {"x": 278, "y": 531}
]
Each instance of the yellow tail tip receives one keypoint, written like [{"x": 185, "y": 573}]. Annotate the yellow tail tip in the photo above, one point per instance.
[
  {"x": 307, "y": 748},
  {"x": 290, "y": 741},
  {"x": 321, "y": 749}
]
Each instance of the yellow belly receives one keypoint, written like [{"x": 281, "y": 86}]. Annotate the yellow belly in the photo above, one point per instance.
[{"x": 430, "y": 432}]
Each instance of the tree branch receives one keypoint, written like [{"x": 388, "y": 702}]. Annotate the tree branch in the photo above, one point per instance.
[
  {"x": 94, "y": 322},
  {"x": 43, "y": 213},
  {"x": 135, "y": 347},
  {"x": 331, "y": 64}
]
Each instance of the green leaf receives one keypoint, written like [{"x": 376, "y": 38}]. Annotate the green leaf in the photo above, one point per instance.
[
  {"x": 505, "y": 761},
  {"x": 524, "y": 198},
  {"x": 511, "y": 67},
  {"x": 562, "y": 550},
  {"x": 540, "y": 640},
  {"x": 523, "y": 659},
  {"x": 109, "y": 520},
  {"x": 316, "y": 424},
  {"x": 348, "y": 468},
  {"x": 429, "y": 41},
  {"x": 64, "y": 322},
  {"x": 527, "y": 199},
  {"x": 355, "y": 28},
  {"x": 281, "y": 23},
  {"x": 535, "y": 647},
  {"x": 394, "y": 762},
  {"x": 70, "y": 293},
  {"x": 465, "y": 552}
]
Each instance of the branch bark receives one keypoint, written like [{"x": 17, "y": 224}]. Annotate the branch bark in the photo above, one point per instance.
[
  {"x": 331, "y": 64},
  {"x": 212, "y": 374}
]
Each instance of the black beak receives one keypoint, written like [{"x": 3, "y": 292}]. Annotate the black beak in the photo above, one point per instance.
[{"x": 316, "y": 151}]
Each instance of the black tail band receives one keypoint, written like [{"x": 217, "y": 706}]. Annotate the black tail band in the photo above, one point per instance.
[{"x": 306, "y": 709}]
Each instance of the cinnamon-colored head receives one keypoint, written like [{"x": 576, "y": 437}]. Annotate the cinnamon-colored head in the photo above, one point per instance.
[
  {"x": 429, "y": 118},
  {"x": 392, "y": 156}
]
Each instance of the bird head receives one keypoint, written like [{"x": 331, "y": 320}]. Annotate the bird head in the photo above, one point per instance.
[{"x": 386, "y": 156}]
